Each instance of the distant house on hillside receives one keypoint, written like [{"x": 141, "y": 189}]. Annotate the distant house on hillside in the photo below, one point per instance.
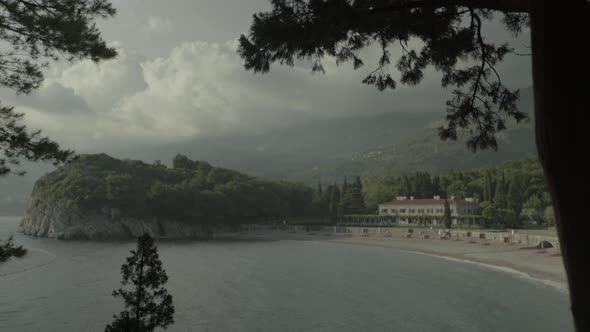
[{"x": 402, "y": 206}]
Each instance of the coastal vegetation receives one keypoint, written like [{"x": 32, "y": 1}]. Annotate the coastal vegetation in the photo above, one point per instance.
[
  {"x": 512, "y": 195},
  {"x": 189, "y": 191},
  {"x": 447, "y": 219}
]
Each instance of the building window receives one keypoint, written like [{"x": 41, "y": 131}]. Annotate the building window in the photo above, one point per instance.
[
  {"x": 383, "y": 210},
  {"x": 402, "y": 210}
]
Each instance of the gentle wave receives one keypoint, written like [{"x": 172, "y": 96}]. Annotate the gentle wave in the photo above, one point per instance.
[{"x": 554, "y": 284}]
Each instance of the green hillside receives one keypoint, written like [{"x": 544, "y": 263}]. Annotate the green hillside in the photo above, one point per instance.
[{"x": 422, "y": 150}]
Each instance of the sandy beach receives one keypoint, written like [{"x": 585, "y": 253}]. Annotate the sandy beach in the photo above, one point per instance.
[{"x": 543, "y": 265}]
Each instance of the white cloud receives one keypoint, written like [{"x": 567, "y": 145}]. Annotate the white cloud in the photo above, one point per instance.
[
  {"x": 198, "y": 89},
  {"x": 102, "y": 85},
  {"x": 159, "y": 24}
]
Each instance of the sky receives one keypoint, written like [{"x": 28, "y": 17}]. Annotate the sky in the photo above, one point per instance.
[{"x": 178, "y": 77}]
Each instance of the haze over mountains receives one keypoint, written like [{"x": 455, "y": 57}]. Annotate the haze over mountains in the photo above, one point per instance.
[
  {"x": 327, "y": 150},
  {"x": 422, "y": 150}
]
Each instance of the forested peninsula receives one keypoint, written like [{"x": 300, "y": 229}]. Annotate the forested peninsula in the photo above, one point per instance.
[{"x": 98, "y": 197}]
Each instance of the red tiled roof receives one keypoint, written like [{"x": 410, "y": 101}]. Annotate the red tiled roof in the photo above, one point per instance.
[{"x": 426, "y": 201}]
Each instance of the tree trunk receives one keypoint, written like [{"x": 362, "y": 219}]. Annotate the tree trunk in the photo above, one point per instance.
[{"x": 559, "y": 33}]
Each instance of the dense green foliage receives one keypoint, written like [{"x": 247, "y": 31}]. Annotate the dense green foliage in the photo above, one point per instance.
[
  {"x": 8, "y": 250},
  {"x": 33, "y": 32},
  {"x": 333, "y": 202},
  {"x": 190, "y": 191},
  {"x": 148, "y": 304},
  {"x": 352, "y": 201},
  {"x": 509, "y": 193}
]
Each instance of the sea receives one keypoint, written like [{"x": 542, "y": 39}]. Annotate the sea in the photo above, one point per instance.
[{"x": 273, "y": 286}]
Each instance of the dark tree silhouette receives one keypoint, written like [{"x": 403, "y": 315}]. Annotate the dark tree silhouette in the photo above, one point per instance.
[
  {"x": 447, "y": 219},
  {"x": 451, "y": 32},
  {"x": 33, "y": 33},
  {"x": 17, "y": 143},
  {"x": 9, "y": 250},
  {"x": 148, "y": 304},
  {"x": 313, "y": 29}
]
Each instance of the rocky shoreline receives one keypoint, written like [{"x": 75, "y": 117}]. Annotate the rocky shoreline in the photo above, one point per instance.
[{"x": 46, "y": 219}]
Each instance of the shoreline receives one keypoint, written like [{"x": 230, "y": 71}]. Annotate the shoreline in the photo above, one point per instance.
[
  {"x": 559, "y": 285},
  {"x": 545, "y": 267}
]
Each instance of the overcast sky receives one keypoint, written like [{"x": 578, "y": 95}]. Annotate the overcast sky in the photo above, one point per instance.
[{"x": 178, "y": 76}]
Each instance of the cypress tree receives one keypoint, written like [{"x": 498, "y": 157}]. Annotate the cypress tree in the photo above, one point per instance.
[
  {"x": 515, "y": 194},
  {"x": 360, "y": 203},
  {"x": 436, "y": 185},
  {"x": 148, "y": 304},
  {"x": 447, "y": 219},
  {"x": 500, "y": 196},
  {"x": 352, "y": 198},
  {"x": 488, "y": 193},
  {"x": 407, "y": 186},
  {"x": 334, "y": 203}
]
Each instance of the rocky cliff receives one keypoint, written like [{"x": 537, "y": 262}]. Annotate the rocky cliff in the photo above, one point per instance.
[{"x": 47, "y": 219}]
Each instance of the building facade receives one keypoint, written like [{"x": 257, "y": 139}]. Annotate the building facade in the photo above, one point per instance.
[{"x": 404, "y": 206}]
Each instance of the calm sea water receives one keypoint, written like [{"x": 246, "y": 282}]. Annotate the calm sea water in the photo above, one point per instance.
[{"x": 274, "y": 286}]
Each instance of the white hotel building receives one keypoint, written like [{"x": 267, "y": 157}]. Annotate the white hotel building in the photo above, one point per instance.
[{"x": 402, "y": 206}]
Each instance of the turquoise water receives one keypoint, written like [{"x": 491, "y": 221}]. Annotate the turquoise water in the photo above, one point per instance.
[{"x": 274, "y": 286}]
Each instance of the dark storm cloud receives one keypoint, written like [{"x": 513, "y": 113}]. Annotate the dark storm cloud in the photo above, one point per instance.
[{"x": 189, "y": 81}]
